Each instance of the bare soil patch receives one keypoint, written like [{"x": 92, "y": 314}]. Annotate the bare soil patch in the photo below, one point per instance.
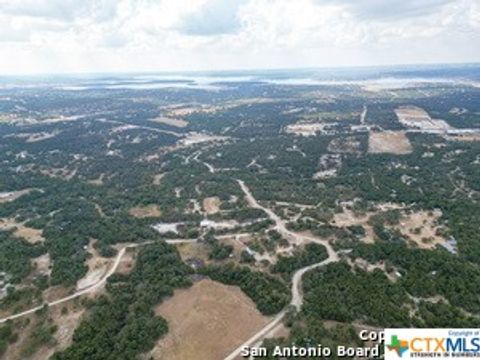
[
  {"x": 170, "y": 121},
  {"x": 145, "y": 211},
  {"x": 305, "y": 129},
  {"x": 42, "y": 264},
  {"x": 463, "y": 137},
  {"x": 97, "y": 267},
  {"x": 98, "y": 181},
  {"x": 157, "y": 179},
  {"x": 206, "y": 322},
  {"x": 12, "y": 195},
  {"x": 211, "y": 205},
  {"x": 351, "y": 218},
  {"x": 393, "y": 142},
  {"x": 197, "y": 138},
  {"x": 418, "y": 118}
]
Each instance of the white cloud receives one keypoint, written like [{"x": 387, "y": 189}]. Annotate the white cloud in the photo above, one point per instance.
[{"x": 136, "y": 35}]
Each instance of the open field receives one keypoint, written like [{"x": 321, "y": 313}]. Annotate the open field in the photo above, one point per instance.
[
  {"x": 206, "y": 322},
  {"x": 392, "y": 142}
]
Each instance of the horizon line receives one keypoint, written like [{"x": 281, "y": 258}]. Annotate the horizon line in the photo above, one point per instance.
[{"x": 241, "y": 70}]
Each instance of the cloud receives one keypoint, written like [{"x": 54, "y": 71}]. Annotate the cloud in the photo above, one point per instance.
[
  {"x": 215, "y": 17},
  {"x": 390, "y": 9},
  {"x": 136, "y": 35},
  {"x": 61, "y": 10}
]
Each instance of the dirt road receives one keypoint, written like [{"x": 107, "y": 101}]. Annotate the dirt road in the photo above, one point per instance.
[
  {"x": 94, "y": 286},
  {"x": 297, "y": 296},
  {"x": 280, "y": 226}
]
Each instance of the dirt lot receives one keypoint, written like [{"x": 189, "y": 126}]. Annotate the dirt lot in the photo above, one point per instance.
[
  {"x": 97, "y": 268},
  {"x": 421, "y": 227},
  {"x": 12, "y": 195},
  {"x": 348, "y": 218},
  {"x": 415, "y": 117},
  {"x": 145, "y": 211},
  {"x": 29, "y": 234},
  {"x": 170, "y": 121},
  {"x": 393, "y": 142},
  {"x": 211, "y": 205},
  {"x": 206, "y": 322}
]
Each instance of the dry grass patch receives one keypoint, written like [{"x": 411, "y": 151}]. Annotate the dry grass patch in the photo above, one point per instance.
[
  {"x": 193, "y": 250},
  {"x": 349, "y": 144},
  {"x": 211, "y": 205},
  {"x": 145, "y": 211},
  {"x": 206, "y": 321},
  {"x": 393, "y": 142},
  {"x": 422, "y": 228},
  {"x": 29, "y": 234},
  {"x": 67, "y": 317},
  {"x": 127, "y": 262}
]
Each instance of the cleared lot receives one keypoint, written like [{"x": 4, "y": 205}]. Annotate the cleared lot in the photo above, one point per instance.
[
  {"x": 206, "y": 322},
  {"x": 393, "y": 142},
  {"x": 417, "y": 118}
]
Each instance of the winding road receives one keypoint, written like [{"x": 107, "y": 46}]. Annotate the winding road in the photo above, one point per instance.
[
  {"x": 297, "y": 296},
  {"x": 94, "y": 286}
]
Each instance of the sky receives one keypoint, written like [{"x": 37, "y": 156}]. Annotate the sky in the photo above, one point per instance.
[{"x": 84, "y": 36}]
